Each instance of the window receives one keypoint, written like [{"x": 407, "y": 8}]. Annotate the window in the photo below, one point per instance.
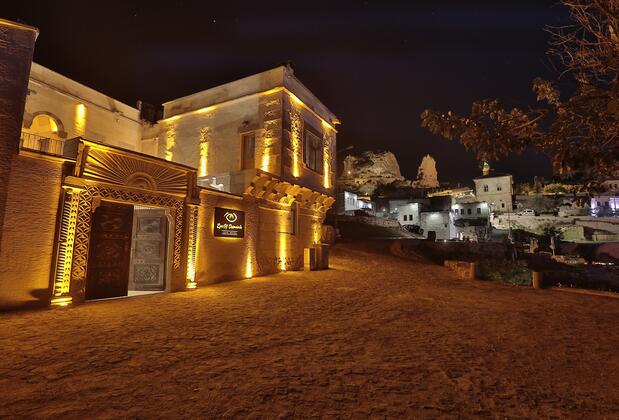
[
  {"x": 485, "y": 188},
  {"x": 312, "y": 151},
  {"x": 478, "y": 210},
  {"x": 248, "y": 145},
  {"x": 468, "y": 211},
  {"x": 293, "y": 219},
  {"x": 405, "y": 216},
  {"x": 410, "y": 217},
  {"x": 456, "y": 211},
  {"x": 499, "y": 187},
  {"x": 502, "y": 205}
]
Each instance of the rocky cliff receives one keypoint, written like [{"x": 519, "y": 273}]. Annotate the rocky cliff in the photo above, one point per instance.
[
  {"x": 363, "y": 174},
  {"x": 427, "y": 177}
]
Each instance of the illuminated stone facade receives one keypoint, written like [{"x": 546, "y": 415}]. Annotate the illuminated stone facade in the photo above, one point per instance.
[
  {"x": 78, "y": 180},
  {"x": 58, "y": 108}
]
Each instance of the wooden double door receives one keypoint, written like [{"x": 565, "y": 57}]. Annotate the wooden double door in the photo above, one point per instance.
[{"x": 127, "y": 250}]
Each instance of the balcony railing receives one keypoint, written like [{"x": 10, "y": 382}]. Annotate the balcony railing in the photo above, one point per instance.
[
  {"x": 38, "y": 143},
  {"x": 235, "y": 182}
]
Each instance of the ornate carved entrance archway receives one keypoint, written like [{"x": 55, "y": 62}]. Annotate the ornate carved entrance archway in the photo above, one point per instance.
[{"x": 106, "y": 173}]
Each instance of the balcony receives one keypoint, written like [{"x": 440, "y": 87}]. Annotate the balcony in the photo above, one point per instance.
[
  {"x": 233, "y": 182},
  {"x": 47, "y": 145}
]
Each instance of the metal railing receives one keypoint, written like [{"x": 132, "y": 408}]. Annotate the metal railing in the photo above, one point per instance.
[{"x": 41, "y": 144}]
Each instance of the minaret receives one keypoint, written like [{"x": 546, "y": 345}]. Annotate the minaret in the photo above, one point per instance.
[{"x": 486, "y": 168}]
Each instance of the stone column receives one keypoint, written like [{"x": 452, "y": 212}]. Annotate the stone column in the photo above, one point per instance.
[{"x": 16, "y": 49}]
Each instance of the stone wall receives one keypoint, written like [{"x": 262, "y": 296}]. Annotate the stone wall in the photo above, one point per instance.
[
  {"x": 296, "y": 120},
  {"x": 211, "y": 140},
  {"x": 272, "y": 243},
  {"x": 16, "y": 49},
  {"x": 437, "y": 221},
  {"x": 500, "y": 200},
  {"x": 26, "y": 260},
  {"x": 99, "y": 117}
]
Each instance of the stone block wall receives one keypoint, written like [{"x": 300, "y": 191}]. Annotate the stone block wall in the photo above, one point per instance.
[
  {"x": 295, "y": 119},
  {"x": 16, "y": 49},
  {"x": 26, "y": 259},
  {"x": 102, "y": 118},
  {"x": 211, "y": 140},
  {"x": 271, "y": 242}
]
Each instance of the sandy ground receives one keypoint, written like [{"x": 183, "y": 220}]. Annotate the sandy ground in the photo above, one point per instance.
[{"x": 376, "y": 336}]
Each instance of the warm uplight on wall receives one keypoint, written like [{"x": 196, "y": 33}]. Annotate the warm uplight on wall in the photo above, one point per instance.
[
  {"x": 283, "y": 246},
  {"x": 282, "y": 251},
  {"x": 327, "y": 140},
  {"x": 326, "y": 176},
  {"x": 61, "y": 301},
  {"x": 266, "y": 154},
  {"x": 80, "y": 119},
  {"x": 316, "y": 231},
  {"x": 296, "y": 135},
  {"x": 296, "y": 100},
  {"x": 66, "y": 239},
  {"x": 203, "y": 157},
  {"x": 249, "y": 273},
  {"x": 204, "y": 137},
  {"x": 53, "y": 126},
  {"x": 192, "y": 248},
  {"x": 170, "y": 142}
]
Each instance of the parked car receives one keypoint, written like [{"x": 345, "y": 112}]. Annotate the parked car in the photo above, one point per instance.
[{"x": 527, "y": 212}]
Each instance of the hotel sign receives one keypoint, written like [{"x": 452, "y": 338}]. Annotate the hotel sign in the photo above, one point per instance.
[{"x": 229, "y": 223}]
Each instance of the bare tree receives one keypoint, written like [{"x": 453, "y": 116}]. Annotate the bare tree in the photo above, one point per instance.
[{"x": 579, "y": 132}]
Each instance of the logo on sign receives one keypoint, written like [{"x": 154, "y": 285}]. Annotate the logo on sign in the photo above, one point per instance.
[{"x": 229, "y": 223}]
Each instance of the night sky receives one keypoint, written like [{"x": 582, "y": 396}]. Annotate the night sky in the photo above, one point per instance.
[{"x": 376, "y": 64}]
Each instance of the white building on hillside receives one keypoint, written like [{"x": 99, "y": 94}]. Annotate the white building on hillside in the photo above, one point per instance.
[
  {"x": 471, "y": 210},
  {"x": 496, "y": 190},
  {"x": 407, "y": 211},
  {"x": 437, "y": 224},
  {"x": 348, "y": 202}
]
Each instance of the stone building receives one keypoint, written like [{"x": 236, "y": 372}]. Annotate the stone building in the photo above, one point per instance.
[
  {"x": 497, "y": 190},
  {"x": 96, "y": 204},
  {"x": 407, "y": 211},
  {"x": 437, "y": 224},
  {"x": 58, "y": 108},
  {"x": 347, "y": 203}
]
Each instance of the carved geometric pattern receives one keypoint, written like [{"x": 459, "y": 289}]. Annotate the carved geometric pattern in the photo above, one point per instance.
[
  {"x": 192, "y": 223},
  {"x": 146, "y": 274},
  {"x": 84, "y": 216},
  {"x": 120, "y": 169},
  {"x": 65, "y": 242}
]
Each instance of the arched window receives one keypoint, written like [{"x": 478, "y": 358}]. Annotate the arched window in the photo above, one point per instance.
[{"x": 45, "y": 126}]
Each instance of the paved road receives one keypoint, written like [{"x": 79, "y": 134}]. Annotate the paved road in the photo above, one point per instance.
[{"x": 376, "y": 336}]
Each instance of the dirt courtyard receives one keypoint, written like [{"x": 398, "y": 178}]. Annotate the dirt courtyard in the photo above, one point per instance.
[{"x": 376, "y": 336}]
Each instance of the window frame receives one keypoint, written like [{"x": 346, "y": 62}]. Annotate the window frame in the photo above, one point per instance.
[
  {"x": 294, "y": 218},
  {"x": 317, "y": 152},
  {"x": 244, "y": 135}
]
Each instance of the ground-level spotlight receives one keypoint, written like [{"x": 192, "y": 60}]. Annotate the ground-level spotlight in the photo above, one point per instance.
[{"x": 61, "y": 301}]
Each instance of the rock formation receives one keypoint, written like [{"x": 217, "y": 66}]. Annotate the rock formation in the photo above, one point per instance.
[
  {"x": 427, "y": 177},
  {"x": 364, "y": 173}
]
